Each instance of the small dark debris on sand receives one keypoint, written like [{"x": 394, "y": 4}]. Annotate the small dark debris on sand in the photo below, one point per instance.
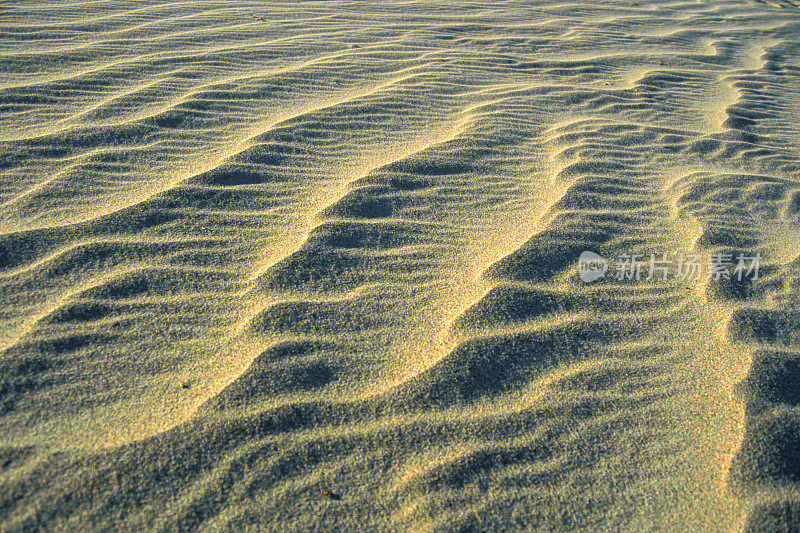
[{"x": 331, "y": 495}]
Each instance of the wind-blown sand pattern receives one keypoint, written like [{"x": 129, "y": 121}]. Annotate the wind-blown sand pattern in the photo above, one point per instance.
[{"x": 313, "y": 265}]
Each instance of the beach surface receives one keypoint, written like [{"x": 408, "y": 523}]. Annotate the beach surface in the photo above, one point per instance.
[{"x": 400, "y": 266}]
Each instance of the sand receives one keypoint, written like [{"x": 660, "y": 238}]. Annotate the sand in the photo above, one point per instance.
[{"x": 297, "y": 266}]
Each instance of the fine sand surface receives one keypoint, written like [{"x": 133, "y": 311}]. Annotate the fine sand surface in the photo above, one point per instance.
[{"x": 299, "y": 266}]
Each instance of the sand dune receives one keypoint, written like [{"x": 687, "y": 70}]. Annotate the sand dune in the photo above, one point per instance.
[{"x": 314, "y": 266}]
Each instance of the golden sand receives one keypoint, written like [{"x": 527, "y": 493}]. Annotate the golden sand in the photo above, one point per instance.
[{"x": 314, "y": 266}]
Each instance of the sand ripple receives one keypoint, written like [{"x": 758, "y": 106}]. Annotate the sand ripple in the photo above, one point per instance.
[{"x": 314, "y": 266}]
